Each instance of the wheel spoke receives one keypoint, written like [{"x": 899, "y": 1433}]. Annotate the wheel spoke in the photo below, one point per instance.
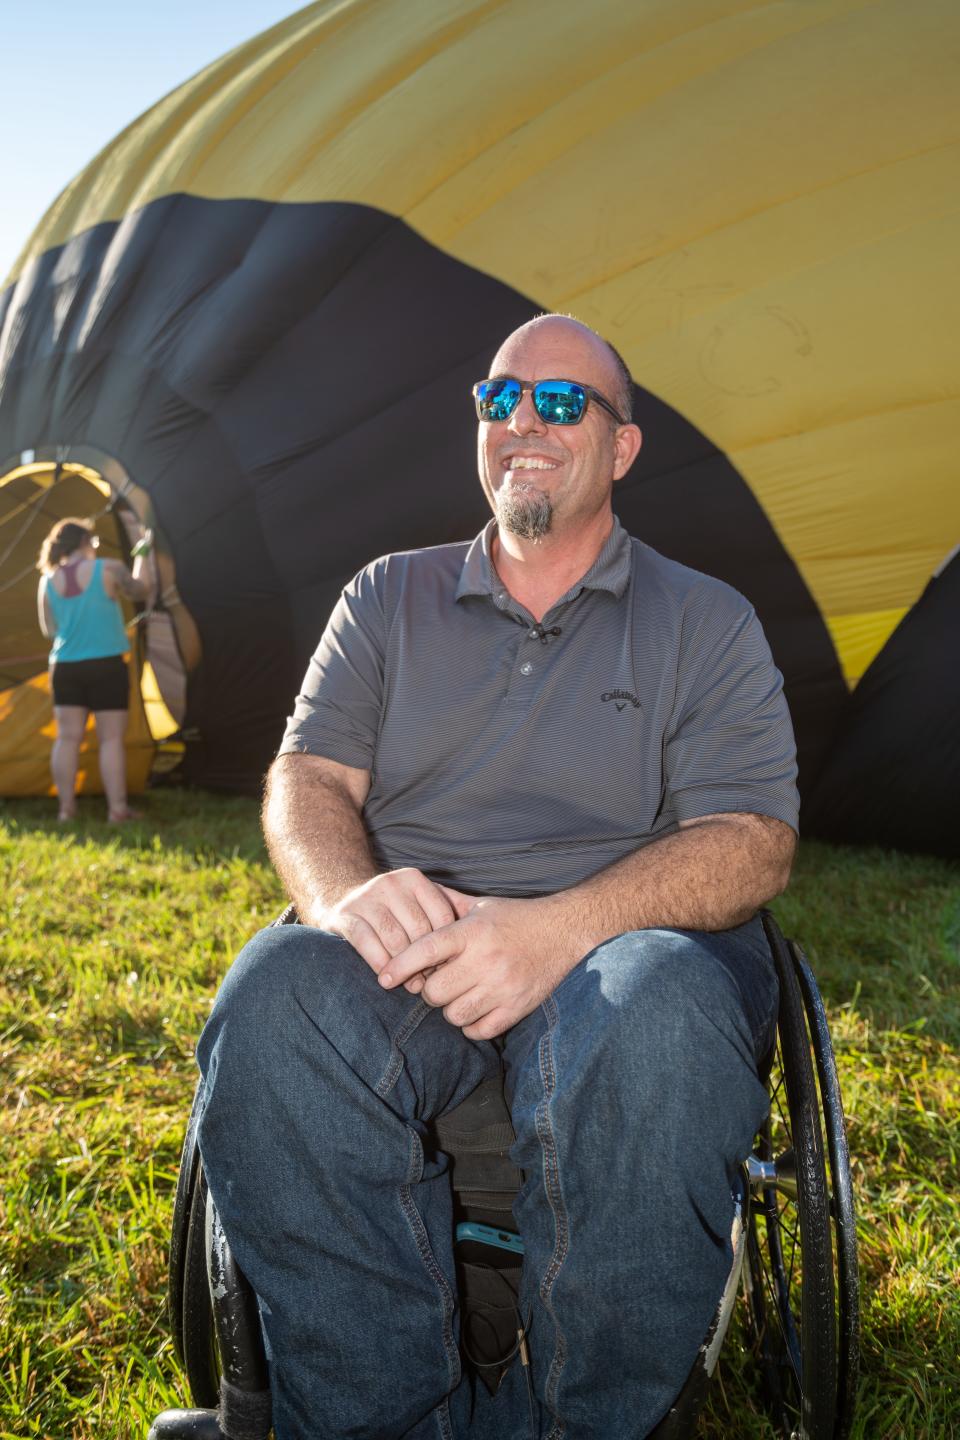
[
  {"x": 788, "y": 1346},
  {"x": 789, "y": 1230},
  {"x": 793, "y": 1252}
]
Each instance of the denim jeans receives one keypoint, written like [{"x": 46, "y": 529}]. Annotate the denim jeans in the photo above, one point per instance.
[{"x": 634, "y": 1096}]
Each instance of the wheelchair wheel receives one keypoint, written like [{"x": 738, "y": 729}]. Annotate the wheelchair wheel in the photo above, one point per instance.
[
  {"x": 188, "y": 1289},
  {"x": 201, "y": 1358},
  {"x": 183, "y": 1200},
  {"x": 844, "y": 1228},
  {"x": 801, "y": 1267}
]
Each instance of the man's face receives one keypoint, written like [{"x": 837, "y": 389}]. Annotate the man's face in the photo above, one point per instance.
[{"x": 540, "y": 478}]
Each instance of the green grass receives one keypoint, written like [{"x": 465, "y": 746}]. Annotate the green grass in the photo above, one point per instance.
[{"x": 114, "y": 943}]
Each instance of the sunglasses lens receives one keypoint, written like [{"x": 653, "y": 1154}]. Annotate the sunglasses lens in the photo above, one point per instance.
[
  {"x": 559, "y": 402},
  {"x": 497, "y": 399}
]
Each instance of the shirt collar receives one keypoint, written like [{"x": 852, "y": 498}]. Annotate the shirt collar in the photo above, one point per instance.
[{"x": 610, "y": 571}]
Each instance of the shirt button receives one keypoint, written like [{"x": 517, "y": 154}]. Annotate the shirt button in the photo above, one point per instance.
[
  {"x": 534, "y": 634},
  {"x": 526, "y": 668},
  {"x": 501, "y": 595}
]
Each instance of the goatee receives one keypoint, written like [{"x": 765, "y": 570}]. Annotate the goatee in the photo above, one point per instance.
[{"x": 524, "y": 511}]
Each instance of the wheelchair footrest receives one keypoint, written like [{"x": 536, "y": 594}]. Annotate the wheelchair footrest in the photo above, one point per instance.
[
  {"x": 186, "y": 1425},
  {"x": 242, "y": 1416}
]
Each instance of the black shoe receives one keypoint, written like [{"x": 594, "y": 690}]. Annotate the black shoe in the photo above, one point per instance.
[{"x": 186, "y": 1425}]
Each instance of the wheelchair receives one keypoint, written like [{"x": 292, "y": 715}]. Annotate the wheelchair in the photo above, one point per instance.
[{"x": 793, "y": 1242}]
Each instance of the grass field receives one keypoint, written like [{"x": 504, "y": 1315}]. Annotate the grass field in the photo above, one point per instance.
[{"x": 113, "y": 946}]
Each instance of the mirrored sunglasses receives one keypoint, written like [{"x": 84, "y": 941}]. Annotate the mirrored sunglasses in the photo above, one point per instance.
[{"x": 557, "y": 402}]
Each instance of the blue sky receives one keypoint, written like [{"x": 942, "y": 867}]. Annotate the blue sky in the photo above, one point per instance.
[{"x": 75, "y": 72}]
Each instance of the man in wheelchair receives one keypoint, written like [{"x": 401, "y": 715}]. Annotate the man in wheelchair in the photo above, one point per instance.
[{"x": 531, "y": 797}]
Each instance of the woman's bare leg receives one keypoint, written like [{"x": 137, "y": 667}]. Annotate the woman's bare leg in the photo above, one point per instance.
[
  {"x": 64, "y": 757},
  {"x": 111, "y": 729}
]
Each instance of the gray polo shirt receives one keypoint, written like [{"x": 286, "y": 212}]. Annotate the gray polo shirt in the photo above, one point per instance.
[{"x": 508, "y": 758}]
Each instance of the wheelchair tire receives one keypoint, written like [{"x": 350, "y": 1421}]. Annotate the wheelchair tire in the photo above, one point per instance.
[
  {"x": 200, "y": 1357},
  {"x": 841, "y": 1198},
  {"x": 186, "y": 1180},
  {"x": 793, "y": 1310}
]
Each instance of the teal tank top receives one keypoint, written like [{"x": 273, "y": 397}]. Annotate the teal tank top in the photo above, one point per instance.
[{"x": 89, "y": 625}]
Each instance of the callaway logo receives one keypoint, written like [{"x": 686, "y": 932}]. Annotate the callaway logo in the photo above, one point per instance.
[{"x": 621, "y": 698}]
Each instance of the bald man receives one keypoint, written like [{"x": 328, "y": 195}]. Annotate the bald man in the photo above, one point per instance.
[{"x": 532, "y": 794}]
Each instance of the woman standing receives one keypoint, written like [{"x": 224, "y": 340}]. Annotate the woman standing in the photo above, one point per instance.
[{"x": 78, "y": 603}]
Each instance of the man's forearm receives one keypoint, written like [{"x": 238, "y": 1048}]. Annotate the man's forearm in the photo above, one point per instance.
[
  {"x": 315, "y": 835},
  {"x": 710, "y": 875}
]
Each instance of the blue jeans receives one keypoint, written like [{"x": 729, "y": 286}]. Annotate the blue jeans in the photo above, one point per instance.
[{"x": 634, "y": 1096}]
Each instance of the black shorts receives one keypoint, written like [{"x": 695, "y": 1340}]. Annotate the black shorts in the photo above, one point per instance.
[{"x": 94, "y": 684}]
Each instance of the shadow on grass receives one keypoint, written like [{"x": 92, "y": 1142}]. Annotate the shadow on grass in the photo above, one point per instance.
[
  {"x": 184, "y": 820},
  {"x": 882, "y": 932}
]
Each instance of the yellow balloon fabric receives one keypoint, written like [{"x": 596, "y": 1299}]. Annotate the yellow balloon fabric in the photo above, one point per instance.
[{"x": 759, "y": 205}]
